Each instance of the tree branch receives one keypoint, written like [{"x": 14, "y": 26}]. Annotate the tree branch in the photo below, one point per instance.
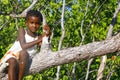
[
  {"x": 47, "y": 58},
  {"x": 104, "y": 58},
  {"x": 50, "y": 59},
  {"x": 23, "y": 14}
]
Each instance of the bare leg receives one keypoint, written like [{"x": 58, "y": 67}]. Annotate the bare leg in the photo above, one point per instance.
[
  {"x": 13, "y": 69},
  {"x": 23, "y": 63}
]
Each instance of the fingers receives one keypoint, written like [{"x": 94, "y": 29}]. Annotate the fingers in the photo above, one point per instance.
[{"x": 46, "y": 29}]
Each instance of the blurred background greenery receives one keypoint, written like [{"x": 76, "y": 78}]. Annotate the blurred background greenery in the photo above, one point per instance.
[{"x": 90, "y": 18}]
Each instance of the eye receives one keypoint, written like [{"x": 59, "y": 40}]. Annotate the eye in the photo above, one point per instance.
[
  {"x": 37, "y": 23},
  {"x": 32, "y": 22}
]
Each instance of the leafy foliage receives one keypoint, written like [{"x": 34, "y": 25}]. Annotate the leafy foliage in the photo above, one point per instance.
[{"x": 95, "y": 27}]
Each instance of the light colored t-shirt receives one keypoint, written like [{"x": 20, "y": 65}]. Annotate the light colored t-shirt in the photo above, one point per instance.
[{"x": 16, "y": 48}]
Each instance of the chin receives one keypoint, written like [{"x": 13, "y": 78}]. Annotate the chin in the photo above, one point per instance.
[{"x": 34, "y": 31}]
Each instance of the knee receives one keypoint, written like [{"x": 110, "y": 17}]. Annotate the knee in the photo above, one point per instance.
[
  {"x": 12, "y": 62},
  {"x": 23, "y": 53}
]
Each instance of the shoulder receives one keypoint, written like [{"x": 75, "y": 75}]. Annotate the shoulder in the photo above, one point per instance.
[
  {"x": 21, "y": 33},
  {"x": 21, "y": 30}
]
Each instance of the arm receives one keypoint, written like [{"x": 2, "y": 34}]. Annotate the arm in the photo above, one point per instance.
[
  {"x": 21, "y": 38},
  {"x": 46, "y": 32}
]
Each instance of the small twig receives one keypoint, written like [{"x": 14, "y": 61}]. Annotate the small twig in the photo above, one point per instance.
[
  {"x": 16, "y": 23},
  {"x": 4, "y": 24},
  {"x": 88, "y": 68},
  {"x": 82, "y": 23},
  {"x": 62, "y": 37},
  {"x": 114, "y": 20},
  {"x": 23, "y": 14},
  {"x": 92, "y": 21}
]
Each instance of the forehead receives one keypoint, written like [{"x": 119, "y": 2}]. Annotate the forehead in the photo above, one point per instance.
[{"x": 33, "y": 18}]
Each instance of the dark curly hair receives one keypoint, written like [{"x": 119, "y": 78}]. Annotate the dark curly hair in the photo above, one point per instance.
[{"x": 34, "y": 13}]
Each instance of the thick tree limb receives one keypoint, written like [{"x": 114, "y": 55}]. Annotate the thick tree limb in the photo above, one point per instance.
[
  {"x": 50, "y": 59},
  {"x": 47, "y": 58}
]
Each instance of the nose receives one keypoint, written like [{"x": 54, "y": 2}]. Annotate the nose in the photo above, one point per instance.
[{"x": 33, "y": 25}]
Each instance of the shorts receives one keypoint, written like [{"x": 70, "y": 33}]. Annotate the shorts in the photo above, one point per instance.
[{"x": 9, "y": 55}]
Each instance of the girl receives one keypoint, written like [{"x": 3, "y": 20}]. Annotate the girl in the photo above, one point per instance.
[{"x": 25, "y": 46}]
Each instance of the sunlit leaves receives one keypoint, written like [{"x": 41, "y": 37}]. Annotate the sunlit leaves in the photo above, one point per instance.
[
  {"x": 4, "y": 1},
  {"x": 94, "y": 25}
]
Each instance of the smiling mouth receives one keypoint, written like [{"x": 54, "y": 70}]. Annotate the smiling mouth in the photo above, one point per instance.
[{"x": 34, "y": 30}]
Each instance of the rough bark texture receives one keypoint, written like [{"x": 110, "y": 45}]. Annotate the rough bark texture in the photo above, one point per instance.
[
  {"x": 46, "y": 58},
  {"x": 104, "y": 58}
]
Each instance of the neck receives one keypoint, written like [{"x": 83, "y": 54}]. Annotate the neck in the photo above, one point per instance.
[{"x": 31, "y": 33}]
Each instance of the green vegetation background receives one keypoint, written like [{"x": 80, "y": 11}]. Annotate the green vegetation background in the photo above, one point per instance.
[{"x": 74, "y": 17}]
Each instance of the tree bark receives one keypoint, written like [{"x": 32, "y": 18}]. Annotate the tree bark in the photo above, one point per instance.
[
  {"x": 104, "y": 58},
  {"x": 46, "y": 58}
]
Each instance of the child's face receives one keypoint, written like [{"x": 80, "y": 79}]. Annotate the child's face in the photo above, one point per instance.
[{"x": 33, "y": 23}]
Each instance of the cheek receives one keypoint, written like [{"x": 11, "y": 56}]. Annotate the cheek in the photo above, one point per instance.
[
  {"x": 38, "y": 26},
  {"x": 27, "y": 24}
]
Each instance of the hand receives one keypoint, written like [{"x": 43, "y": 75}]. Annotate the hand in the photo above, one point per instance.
[{"x": 46, "y": 30}]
